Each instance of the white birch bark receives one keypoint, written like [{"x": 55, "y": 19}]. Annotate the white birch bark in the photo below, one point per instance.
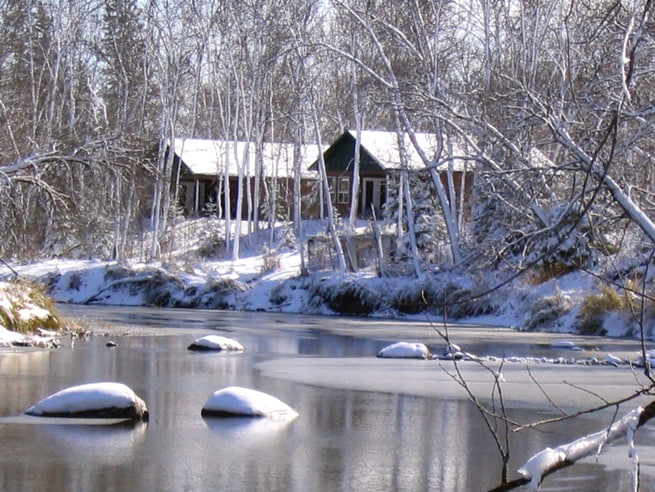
[
  {"x": 328, "y": 202},
  {"x": 410, "y": 226}
]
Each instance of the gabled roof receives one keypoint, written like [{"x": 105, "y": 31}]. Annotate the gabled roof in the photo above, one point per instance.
[
  {"x": 213, "y": 157},
  {"x": 380, "y": 151}
]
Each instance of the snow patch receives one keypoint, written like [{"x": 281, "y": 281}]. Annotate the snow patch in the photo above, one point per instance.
[
  {"x": 43, "y": 339},
  {"x": 8, "y": 338}
]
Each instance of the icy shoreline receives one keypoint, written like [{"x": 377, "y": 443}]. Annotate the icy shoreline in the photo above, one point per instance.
[{"x": 241, "y": 286}]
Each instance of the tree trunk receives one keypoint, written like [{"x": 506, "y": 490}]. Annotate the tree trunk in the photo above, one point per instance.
[{"x": 328, "y": 201}]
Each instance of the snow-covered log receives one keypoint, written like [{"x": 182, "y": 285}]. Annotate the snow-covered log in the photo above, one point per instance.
[
  {"x": 216, "y": 342},
  {"x": 93, "y": 400},
  {"x": 235, "y": 401},
  {"x": 550, "y": 460}
]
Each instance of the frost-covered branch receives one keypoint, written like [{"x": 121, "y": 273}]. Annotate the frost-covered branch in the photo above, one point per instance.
[
  {"x": 36, "y": 161},
  {"x": 550, "y": 460}
]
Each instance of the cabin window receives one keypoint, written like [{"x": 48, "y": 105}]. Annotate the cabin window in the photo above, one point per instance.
[{"x": 343, "y": 191}]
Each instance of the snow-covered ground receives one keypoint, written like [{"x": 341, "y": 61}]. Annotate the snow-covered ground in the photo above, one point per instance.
[{"x": 265, "y": 280}]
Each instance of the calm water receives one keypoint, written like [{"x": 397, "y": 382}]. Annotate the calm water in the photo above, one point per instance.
[{"x": 343, "y": 440}]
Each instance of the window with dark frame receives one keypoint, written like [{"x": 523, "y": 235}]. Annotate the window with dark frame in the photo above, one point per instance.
[{"x": 343, "y": 190}]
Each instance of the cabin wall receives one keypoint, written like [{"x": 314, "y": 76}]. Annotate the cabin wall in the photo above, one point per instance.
[{"x": 206, "y": 195}]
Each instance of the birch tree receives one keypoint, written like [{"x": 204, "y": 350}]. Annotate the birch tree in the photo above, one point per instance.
[
  {"x": 378, "y": 30},
  {"x": 170, "y": 47}
]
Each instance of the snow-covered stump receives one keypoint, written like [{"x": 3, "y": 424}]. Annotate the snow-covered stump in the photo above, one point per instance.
[
  {"x": 235, "y": 401},
  {"x": 95, "y": 400},
  {"x": 405, "y": 350},
  {"x": 216, "y": 343}
]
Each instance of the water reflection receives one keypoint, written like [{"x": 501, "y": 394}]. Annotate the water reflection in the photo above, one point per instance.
[
  {"x": 112, "y": 445},
  {"x": 246, "y": 432},
  {"x": 343, "y": 440}
]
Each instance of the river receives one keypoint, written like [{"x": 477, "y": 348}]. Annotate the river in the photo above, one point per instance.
[{"x": 365, "y": 424}]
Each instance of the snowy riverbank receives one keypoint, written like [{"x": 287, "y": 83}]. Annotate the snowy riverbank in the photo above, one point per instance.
[
  {"x": 246, "y": 285},
  {"x": 269, "y": 279}
]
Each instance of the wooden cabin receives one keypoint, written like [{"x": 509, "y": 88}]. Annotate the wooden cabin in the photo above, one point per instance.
[
  {"x": 207, "y": 174},
  {"x": 381, "y": 158}
]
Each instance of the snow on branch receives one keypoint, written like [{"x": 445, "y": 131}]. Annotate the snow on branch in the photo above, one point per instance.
[{"x": 550, "y": 460}]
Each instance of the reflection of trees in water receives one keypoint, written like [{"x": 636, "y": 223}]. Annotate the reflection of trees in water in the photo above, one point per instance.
[
  {"x": 373, "y": 441},
  {"x": 337, "y": 346}
]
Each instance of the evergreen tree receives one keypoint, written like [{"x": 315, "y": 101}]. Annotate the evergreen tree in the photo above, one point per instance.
[{"x": 428, "y": 222}]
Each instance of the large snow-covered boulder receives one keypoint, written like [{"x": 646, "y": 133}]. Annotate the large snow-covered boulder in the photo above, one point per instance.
[
  {"x": 94, "y": 400},
  {"x": 235, "y": 401},
  {"x": 216, "y": 342},
  {"x": 405, "y": 350}
]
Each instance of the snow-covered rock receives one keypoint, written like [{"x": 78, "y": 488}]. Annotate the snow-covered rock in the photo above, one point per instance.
[
  {"x": 453, "y": 351},
  {"x": 405, "y": 350},
  {"x": 235, "y": 401},
  {"x": 93, "y": 400},
  {"x": 565, "y": 344},
  {"x": 613, "y": 360},
  {"x": 216, "y": 342},
  {"x": 650, "y": 358},
  {"x": 454, "y": 356}
]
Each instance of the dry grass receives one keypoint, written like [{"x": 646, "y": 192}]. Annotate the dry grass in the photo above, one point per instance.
[
  {"x": 594, "y": 308},
  {"x": 24, "y": 307}
]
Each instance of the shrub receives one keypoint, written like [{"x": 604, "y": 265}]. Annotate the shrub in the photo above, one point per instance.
[
  {"x": 346, "y": 297},
  {"x": 594, "y": 309},
  {"x": 270, "y": 260},
  {"x": 212, "y": 247},
  {"x": 217, "y": 293},
  {"x": 278, "y": 294},
  {"x": 462, "y": 302},
  {"x": 548, "y": 309},
  {"x": 420, "y": 297},
  {"x": 24, "y": 306}
]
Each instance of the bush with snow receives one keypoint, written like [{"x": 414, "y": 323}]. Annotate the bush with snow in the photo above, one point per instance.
[
  {"x": 24, "y": 307},
  {"x": 595, "y": 308},
  {"x": 463, "y": 301},
  {"x": 416, "y": 296},
  {"x": 546, "y": 310},
  {"x": 235, "y": 401},
  {"x": 93, "y": 400},
  {"x": 213, "y": 294},
  {"x": 346, "y": 296}
]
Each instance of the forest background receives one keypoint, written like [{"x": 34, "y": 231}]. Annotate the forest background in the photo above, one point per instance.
[{"x": 91, "y": 89}]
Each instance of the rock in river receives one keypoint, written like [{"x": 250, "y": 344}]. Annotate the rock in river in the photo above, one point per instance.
[
  {"x": 235, "y": 401},
  {"x": 405, "y": 350},
  {"x": 215, "y": 342},
  {"x": 95, "y": 400}
]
